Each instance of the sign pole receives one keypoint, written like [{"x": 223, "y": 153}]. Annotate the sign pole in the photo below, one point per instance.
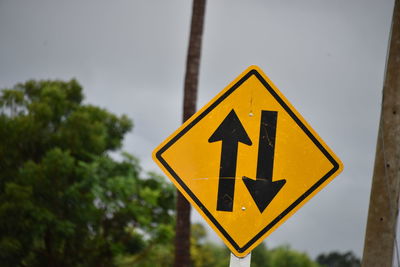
[{"x": 240, "y": 262}]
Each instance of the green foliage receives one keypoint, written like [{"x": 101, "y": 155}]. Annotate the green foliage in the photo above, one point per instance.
[
  {"x": 204, "y": 253},
  {"x": 285, "y": 257},
  {"x": 261, "y": 256},
  {"x": 154, "y": 256},
  {"x": 337, "y": 259},
  {"x": 63, "y": 200},
  {"x": 282, "y": 256}
]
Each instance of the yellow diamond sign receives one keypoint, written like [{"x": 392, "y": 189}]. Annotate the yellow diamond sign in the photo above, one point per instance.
[{"x": 247, "y": 161}]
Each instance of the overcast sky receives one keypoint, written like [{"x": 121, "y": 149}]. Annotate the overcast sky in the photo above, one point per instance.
[{"x": 327, "y": 57}]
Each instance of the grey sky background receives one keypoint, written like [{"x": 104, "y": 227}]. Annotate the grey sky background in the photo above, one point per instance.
[{"x": 327, "y": 57}]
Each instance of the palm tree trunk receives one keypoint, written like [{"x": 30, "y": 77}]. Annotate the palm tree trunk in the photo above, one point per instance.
[{"x": 182, "y": 238}]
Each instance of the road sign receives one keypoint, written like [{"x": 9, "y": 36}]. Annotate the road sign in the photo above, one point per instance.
[{"x": 247, "y": 161}]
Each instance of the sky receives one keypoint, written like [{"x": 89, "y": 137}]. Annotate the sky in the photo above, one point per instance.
[{"x": 327, "y": 58}]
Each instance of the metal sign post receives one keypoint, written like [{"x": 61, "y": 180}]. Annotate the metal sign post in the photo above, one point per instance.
[{"x": 240, "y": 262}]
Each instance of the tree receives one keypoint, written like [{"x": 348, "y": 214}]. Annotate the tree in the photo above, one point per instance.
[
  {"x": 282, "y": 256},
  {"x": 203, "y": 252},
  {"x": 337, "y": 259},
  {"x": 63, "y": 200},
  {"x": 182, "y": 238},
  {"x": 285, "y": 257},
  {"x": 260, "y": 256}
]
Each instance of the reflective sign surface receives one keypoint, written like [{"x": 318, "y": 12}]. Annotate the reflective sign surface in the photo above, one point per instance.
[{"x": 247, "y": 161}]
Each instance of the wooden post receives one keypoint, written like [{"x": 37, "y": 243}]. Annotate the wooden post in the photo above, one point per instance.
[
  {"x": 380, "y": 235},
  {"x": 182, "y": 238}
]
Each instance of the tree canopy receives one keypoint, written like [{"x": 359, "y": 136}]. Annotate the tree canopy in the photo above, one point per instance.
[
  {"x": 63, "y": 200},
  {"x": 338, "y": 259}
]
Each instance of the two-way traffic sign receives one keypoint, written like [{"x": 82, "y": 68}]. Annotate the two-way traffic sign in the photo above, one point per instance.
[{"x": 247, "y": 161}]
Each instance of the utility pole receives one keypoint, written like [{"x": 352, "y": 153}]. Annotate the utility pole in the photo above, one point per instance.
[
  {"x": 380, "y": 237},
  {"x": 182, "y": 238}
]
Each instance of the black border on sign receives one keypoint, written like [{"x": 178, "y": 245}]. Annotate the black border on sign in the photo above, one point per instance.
[{"x": 294, "y": 117}]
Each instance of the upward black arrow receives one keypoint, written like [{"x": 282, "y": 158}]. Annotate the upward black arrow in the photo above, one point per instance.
[
  {"x": 263, "y": 189},
  {"x": 230, "y": 132}
]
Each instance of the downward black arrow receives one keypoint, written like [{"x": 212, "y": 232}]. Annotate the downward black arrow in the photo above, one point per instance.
[
  {"x": 230, "y": 132},
  {"x": 263, "y": 189}
]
